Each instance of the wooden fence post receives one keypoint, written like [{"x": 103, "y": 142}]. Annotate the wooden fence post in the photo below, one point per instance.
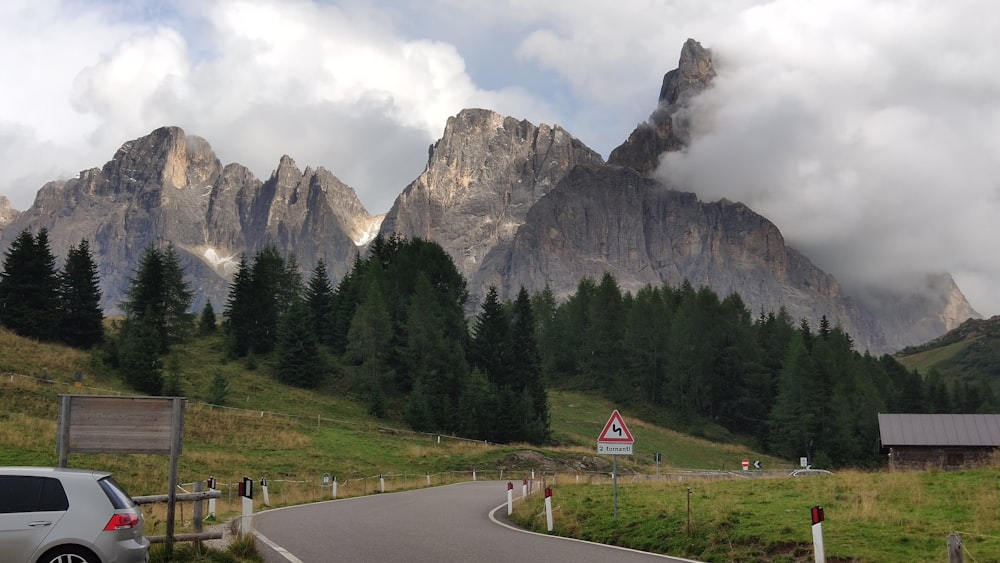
[
  {"x": 955, "y": 554},
  {"x": 197, "y": 516}
]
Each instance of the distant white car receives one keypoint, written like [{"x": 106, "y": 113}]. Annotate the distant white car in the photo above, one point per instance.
[
  {"x": 808, "y": 472},
  {"x": 50, "y": 515}
]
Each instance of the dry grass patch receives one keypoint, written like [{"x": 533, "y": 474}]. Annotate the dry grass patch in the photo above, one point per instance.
[{"x": 26, "y": 432}]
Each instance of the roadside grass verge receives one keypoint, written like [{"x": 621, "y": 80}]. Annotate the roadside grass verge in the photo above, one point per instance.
[{"x": 870, "y": 517}]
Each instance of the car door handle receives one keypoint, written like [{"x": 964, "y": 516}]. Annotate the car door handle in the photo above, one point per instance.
[{"x": 39, "y": 523}]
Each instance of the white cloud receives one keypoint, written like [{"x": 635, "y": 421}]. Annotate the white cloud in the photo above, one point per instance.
[{"x": 865, "y": 129}]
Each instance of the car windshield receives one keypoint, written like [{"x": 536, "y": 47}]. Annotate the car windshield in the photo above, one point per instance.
[{"x": 116, "y": 494}]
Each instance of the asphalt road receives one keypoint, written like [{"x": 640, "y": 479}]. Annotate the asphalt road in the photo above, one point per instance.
[{"x": 457, "y": 523}]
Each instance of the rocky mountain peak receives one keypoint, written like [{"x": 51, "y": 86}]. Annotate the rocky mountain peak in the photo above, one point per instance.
[
  {"x": 481, "y": 178},
  {"x": 668, "y": 127},
  {"x": 694, "y": 73},
  {"x": 165, "y": 158}
]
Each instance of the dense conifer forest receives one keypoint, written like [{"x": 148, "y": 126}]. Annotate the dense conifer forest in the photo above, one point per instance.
[{"x": 394, "y": 333}]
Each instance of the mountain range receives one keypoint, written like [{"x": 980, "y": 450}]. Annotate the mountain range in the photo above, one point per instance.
[{"x": 513, "y": 204}]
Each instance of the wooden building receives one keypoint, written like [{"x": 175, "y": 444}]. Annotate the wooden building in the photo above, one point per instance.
[{"x": 938, "y": 441}]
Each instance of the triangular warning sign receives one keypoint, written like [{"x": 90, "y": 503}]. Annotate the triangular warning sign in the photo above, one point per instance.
[{"x": 615, "y": 431}]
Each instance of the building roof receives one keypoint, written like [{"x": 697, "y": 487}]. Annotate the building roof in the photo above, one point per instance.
[{"x": 939, "y": 429}]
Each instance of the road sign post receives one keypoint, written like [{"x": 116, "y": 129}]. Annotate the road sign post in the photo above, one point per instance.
[{"x": 615, "y": 440}]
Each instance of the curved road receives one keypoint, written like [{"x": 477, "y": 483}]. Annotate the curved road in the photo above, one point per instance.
[{"x": 453, "y": 523}]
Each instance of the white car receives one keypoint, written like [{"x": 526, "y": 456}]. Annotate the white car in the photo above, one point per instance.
[
  {"x": 809, "y": 471},
  {"x": 51, "y": 515}
]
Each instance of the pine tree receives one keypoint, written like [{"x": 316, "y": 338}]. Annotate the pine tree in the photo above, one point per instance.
[
  {"x": 794, "y": 420},
  {"x": 238, "y": 313},
  {"x": 345, "y": 300},
  {"x": 159, "y": 298},
  {"x": 606, "y": 337},
  {"x": 177, "y": 299},
  {"x": 29, "y": 288},
  {"x": 490, "y": 347},
  {"x": 526, "y": 368},
  {"x": 299, "y": 361},
  {"x": 146, "y": 295},
  {"x": 368, "y": 341},
  {"x": 218, "y": 391},
  {"x": 207, "y": 323},
  {"x": 319, "y": 296},
  {"x": 82, "y": 321},
  {"x": 477, "y": 408},
  {"x": 267, "y": 299},
  {"x": 138, "y": 354},
  {"x": 433, "y": 357}
]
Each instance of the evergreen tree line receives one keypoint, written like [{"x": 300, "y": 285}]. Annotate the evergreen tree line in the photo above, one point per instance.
[
  {"x": 693, "y": 361},
  {"x": 39, "y": 301},
  {"x": 394, "y": 331}
]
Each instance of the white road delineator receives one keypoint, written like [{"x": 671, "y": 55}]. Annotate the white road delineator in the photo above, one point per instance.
[
  {"x": 548, "y": 509},
  {"x": 817, "y": 529}
]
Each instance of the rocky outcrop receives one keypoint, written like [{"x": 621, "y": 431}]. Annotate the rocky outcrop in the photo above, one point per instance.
[
  {"x": 668, "y": 128},
  {"x": 613, "y": 219},
  {"x": 170, "y": 187},
  {"x": 481, "y": 179},
  {"x": 7, "y": 212},
  {"x": 921, "y": 313}
]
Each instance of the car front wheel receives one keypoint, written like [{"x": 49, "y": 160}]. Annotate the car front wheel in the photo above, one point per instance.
[{"x": 68, "y": 554}]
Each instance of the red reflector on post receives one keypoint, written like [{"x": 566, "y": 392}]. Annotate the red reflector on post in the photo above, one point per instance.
[
  {"x": 548, "y": 492},
  {"x": 817, "y": 514},
  {"x": 510, "y": 486}
]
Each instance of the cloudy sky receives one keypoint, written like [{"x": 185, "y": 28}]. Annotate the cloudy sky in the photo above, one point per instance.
[{"x": 867, "y": 130}]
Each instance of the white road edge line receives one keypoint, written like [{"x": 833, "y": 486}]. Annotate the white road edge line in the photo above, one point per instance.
[
  {"x": 523, "y": 531},
  {"x": 287, "y": 554},
  {"x": 277, "y": 548}
]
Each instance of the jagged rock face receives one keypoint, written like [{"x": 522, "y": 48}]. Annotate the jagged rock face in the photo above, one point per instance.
[
  {"x": 613, "y": 219},
  {"x": 667, "y": 129},
  {"x": 921, "y": 314},
  {"x": 170, "y": 187},
  {"x": 7, "y": 212},
  {"x": 481, "y": 179}
]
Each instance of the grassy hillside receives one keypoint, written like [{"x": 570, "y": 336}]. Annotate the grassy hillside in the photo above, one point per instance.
[
  {"x": 294, "y": 436},
  {"x": 967, "y": 354}
]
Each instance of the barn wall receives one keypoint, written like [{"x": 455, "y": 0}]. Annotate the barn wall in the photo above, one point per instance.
[{"x": 903, "y": 458}]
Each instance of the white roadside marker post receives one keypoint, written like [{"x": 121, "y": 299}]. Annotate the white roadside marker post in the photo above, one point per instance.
[
  {"x": 263, "y": 491},
  {"x": 246, "y": 496},
  {"x": 548, "y": 508},
  {"x": 524, "y": 487},
  {"x": 510, "y": 498},
  {"x": 817, "y": 529}
]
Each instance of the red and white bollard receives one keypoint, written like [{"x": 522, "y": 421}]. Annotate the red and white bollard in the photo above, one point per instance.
[
  {"x": 817, "y": 520},
  {"x": 510, "y": 498},
  {"x": 524, "y": 488},
  {"x": 548, "y": 508}
]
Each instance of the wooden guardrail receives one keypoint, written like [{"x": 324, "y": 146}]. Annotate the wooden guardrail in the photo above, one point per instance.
[{"x": 196, "y": 497}]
